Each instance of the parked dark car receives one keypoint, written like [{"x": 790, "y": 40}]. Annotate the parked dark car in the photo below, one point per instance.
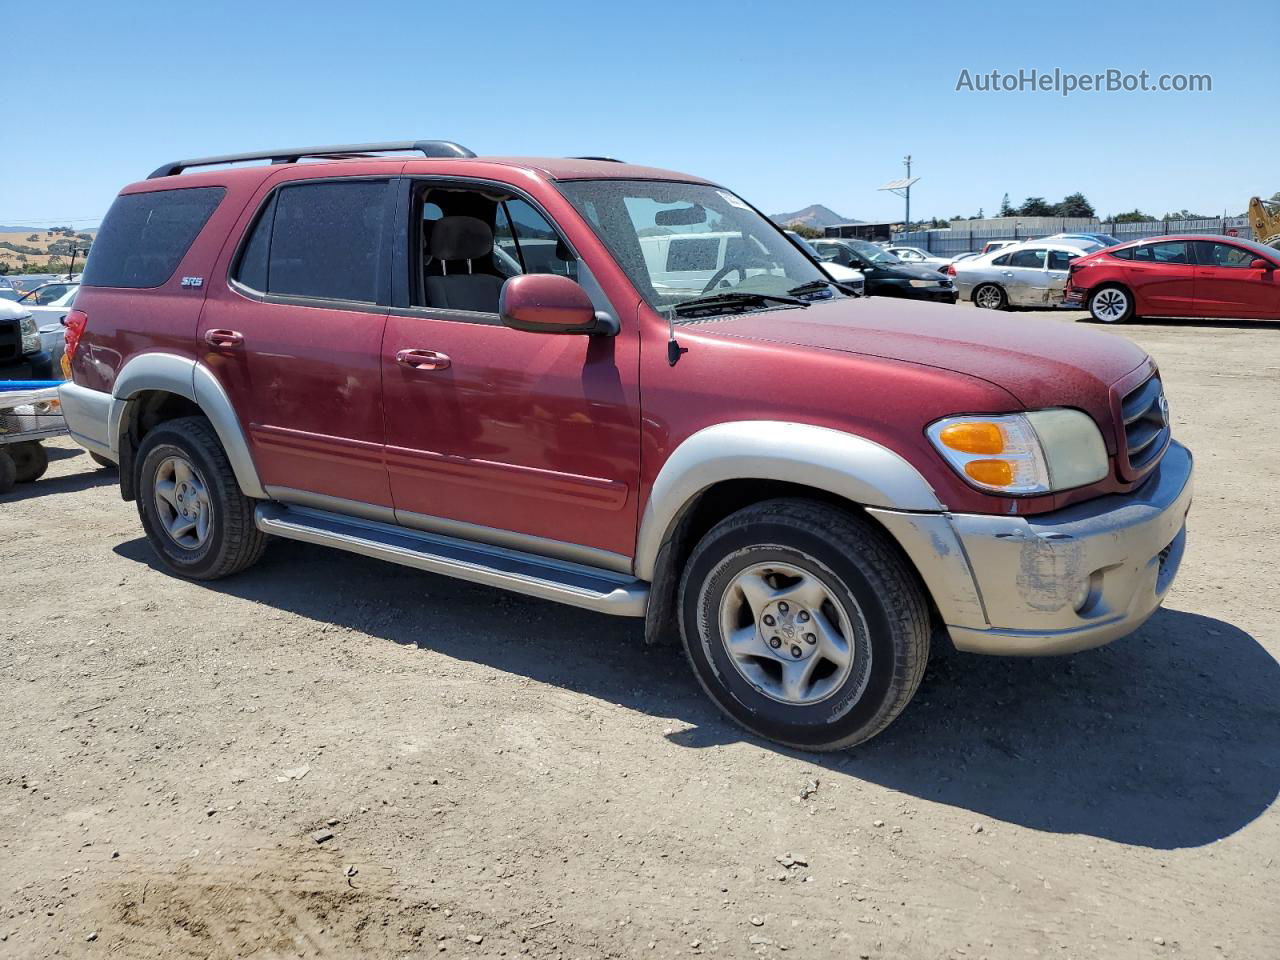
[{"x": 886, "y": 275}]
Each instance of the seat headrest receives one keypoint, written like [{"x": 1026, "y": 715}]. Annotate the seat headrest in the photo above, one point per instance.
[{"x": 460, "y": 238}]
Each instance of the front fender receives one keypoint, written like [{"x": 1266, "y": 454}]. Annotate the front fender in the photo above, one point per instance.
[{"x": 852, "y": 467}]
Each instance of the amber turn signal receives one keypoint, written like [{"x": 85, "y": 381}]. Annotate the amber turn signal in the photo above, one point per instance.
[
  {"x": 993, "y": 473},
  {"x": 974, "y": 436}
]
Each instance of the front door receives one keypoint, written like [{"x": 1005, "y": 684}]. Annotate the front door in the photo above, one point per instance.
[
  {"x": 528, "y": 440},
  {"x": 1227, "y": 286},
  {"x": 296, "y": 339}
]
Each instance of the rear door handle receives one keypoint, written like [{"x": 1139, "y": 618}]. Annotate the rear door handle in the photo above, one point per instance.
[
  {"x": 422, "y": 359},
  {"x": 223, "y": 338}
]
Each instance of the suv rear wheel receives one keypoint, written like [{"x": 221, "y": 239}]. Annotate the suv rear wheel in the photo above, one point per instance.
[
  {"x": 190, "y": 505},
  {"x": 804, "y": 624}
]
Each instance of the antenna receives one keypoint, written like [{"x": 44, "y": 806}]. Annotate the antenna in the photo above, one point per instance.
[
  {"x": 673, "y": 346},
  {"x": 902, "y": 188}
]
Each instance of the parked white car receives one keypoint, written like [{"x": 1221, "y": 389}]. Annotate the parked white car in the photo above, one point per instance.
[
  {"x": 49, "y": 303},
  {"x": 1031, "y": 274},
  {"x": 854, "y": 279},
  {"x": 921, "y": 258}
]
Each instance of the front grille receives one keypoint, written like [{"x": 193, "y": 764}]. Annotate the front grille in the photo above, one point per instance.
[
  {"x": 10, "y": 340},
  {"x": 1146, "y": 423}
]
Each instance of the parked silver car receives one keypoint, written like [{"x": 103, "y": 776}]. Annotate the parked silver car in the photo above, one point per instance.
[{"x": 1031, "y": 274}]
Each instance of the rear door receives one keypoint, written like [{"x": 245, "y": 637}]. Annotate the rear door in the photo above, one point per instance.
[
  {"x": 1059, "y": 266},
  {"x": 1163, "y": 278},
  {"x": 1227, "y": 286},
  {"x": 295, "y": 338}
]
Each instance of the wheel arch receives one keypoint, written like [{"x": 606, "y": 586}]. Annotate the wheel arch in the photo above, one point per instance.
[
  {"x": 152, "y": 388},
  {"x": 760, "y": 457}
]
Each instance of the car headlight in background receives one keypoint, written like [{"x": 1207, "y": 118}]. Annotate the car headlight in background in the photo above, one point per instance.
[
  {"x": 1026, "y": 453},
  {"x": 30, "y": 334},
  {"x": 923, "y": 283}
]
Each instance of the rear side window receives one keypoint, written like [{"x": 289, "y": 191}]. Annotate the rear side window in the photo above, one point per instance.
[
  {"x": 321, "y": 240},
  {"x": 1125, "y": 254},
  {"x": 1028, "y": 258},
  {"x": 146, "y": 235}
]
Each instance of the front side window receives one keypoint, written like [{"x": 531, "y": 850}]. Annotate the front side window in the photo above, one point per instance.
[
  {"x": 145, "y": 235},
  {"x": 319, "y": 240},
  {"x": 681, "y": 241},
  {"x": 1225, "y": 255}
]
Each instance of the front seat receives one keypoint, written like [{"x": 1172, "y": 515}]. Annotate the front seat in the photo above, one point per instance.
[{"x": 453, "y": 241}]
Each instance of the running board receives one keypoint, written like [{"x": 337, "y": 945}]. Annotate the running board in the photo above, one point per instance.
[{"x": 560, "y": 580}]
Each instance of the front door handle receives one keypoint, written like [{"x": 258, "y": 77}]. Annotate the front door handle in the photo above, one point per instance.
[
  {"x": 422, "y": 359},
  {"x": 223, "y": 338}
]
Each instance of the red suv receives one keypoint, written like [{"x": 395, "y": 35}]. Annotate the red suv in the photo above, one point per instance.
[
  {"x": 1187, "y": 276},
  {"x": 622, "y": 389}
]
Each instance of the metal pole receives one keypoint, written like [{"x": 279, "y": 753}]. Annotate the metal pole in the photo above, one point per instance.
[{"x": 907, "y": 161}]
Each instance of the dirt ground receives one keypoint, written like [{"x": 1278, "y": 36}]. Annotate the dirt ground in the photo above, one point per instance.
[{"x": 328, "y": 756}]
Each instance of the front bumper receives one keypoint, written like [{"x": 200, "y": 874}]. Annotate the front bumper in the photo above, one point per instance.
[{"x": 1059, "y": 582}]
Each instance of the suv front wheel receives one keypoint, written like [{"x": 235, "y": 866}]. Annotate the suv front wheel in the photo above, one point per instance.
[
  {"x": 190, "y": 505},
  {"x": 804, "y": 623}
]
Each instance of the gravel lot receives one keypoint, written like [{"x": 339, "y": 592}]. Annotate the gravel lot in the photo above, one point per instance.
[{"x": 331, "y": 757}]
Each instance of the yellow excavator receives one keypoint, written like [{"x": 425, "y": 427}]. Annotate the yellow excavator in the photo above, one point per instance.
[{"x": 1264, "y": 218}]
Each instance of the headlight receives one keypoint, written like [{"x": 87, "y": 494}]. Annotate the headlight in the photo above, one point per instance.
[
  {"x": 923, "y": 283},
  {"x": 30, "y": 334},
  {"x": 1026, "y": 453}
]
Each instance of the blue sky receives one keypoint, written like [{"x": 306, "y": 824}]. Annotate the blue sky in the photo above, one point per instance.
[{"x": 787, "y": 103}]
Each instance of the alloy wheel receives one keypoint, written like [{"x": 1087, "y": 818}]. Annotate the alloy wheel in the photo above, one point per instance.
[
  {"x": 182, "y": 503},
  {"x": 787, "y": 633},
  {"x": 1110, "y": 305}
]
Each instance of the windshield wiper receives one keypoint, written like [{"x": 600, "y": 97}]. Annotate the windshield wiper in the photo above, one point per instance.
[
  {"x": 813, "y": 286},
  {"x": 732, "y": 298}
]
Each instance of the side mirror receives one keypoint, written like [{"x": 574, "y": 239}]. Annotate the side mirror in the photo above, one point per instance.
[
  {"x": 1258, "y": 263},
  {"x": 550, "y": 303}
]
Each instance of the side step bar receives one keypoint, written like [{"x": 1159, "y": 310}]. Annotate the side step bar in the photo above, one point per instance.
[{"x": 550, "y": 579}]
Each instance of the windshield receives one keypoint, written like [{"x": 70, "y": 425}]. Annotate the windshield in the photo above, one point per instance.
[{"x": 681, "y": 241}]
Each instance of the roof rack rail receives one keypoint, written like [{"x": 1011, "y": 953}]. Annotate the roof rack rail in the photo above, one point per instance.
[
  {"x": 428, "y": 148},
  {"x": 605, "y": 159}
]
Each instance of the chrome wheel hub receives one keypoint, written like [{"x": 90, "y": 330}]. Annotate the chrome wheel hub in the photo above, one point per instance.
[
  {"x": 182, "y": 502},
  {"x": 787, "y": 633}
]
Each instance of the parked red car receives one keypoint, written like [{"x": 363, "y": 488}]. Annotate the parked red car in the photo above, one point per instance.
[
  {"x": 624, "y": 389},
  {"x": 1178, "y": 276}
]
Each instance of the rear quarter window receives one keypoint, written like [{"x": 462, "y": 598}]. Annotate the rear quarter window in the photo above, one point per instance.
[{"x": 145, "y": 236}]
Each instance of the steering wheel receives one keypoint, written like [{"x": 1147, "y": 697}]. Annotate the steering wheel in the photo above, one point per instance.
[{"x": 729, "y": 268}]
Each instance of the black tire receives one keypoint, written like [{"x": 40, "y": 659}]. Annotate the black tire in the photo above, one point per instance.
[
  {"x": 1110, "y": 303},
  {"x": 990, "y": 296},
  {"x": 29, "y": 459},
  {"x": 102, "y": 461},
  {"x": 8, "y": 471},
  {"x": 233, "y": 542},
  {"x": 857, "y": 564}
]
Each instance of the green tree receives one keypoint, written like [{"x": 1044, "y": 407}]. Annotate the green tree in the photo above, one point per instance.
[
  {"x": 1133, "y": 216},
  {"x": 806, "y": 231},
  {"x": 1075, "y": 205},
  {"x": 1036, "y": 207},
  {"x": 1006, "y": 208}
]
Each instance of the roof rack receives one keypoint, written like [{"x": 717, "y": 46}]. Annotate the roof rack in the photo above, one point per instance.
[
  {"x": 605, "y": 159},
  {"x": 428, "y": 148}
]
